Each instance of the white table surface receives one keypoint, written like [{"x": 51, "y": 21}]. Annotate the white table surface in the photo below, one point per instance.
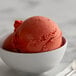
[{"x": 62, "y": 12}]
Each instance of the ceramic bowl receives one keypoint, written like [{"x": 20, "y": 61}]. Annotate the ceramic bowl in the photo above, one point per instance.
[{"x": 32, "y": 62}]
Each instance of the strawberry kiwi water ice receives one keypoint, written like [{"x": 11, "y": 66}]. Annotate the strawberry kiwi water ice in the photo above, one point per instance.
[{"x": 35, "y": 34}]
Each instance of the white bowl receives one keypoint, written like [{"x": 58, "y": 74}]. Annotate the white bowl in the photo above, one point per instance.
[{"x": 32, "y": 62}]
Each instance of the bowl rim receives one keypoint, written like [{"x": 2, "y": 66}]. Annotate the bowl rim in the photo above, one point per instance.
[{"x": 64, "y": 44}]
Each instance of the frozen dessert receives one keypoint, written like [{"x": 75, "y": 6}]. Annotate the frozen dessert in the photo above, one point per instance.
[
  {"x": 35, "y": 34},
  {"x": 9, "y": 41}
]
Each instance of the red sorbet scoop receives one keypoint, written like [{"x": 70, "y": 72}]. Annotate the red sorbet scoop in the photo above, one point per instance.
[{"x": 36, "y": 34}]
